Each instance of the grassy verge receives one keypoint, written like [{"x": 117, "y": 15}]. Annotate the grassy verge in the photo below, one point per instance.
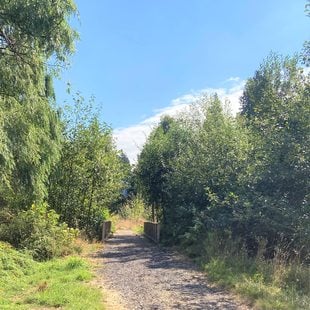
[
  {"x": 63, "y": 282},
  {"x": 267, "y": 285},
  {"x": 272, "y": 284}
]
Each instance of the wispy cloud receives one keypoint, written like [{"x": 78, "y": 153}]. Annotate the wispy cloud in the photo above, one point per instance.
[
  {"x": 233, "y": 79},
  {"x": 131, "y": 139}
]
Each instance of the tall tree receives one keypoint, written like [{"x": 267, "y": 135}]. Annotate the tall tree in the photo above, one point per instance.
[
  {"x": 91, "y": 174},
  {"x": 306, "y": 50},
  {"x": 275, "y": 105},
  {"x": 155, "y": 164},
  {"x": 32, "y": 33}
]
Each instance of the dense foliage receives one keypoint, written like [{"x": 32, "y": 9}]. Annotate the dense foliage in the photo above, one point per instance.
[
  {"x": 38, "y": 230},
  {"x": 91, "y": 173},
  {"x": 31, "y": 32},
  {"x": 243, "y": 177},
  {"x": 69, "y": 161}
]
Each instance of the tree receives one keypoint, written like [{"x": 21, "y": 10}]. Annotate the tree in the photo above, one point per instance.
[
  {"x": 275, "y": 106},
  {"x": 189, "y": 168},
  {"x": 91, "y": 174},
  {"x": 206, "y": 181},
  {"x": 243, "y": 178},
  {"x": 30, "y": 144},
  {"x": 32, "y": 33},
  {"x": 306, "y": 50},
  {"x": 155, "y": 164}
]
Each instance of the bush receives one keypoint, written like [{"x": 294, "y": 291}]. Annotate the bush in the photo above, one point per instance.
[
  {"x": 38, "y": 230},
  {"x": 94, "y": 231},
  {"x": 135, "y": 209}
]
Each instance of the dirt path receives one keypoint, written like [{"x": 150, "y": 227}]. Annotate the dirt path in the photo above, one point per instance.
[{"x": 139, "y": 275}]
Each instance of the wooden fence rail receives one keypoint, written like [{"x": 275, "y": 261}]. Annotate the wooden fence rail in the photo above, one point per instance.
[
  {"x": 106, "y": 230},
  {"x": 152, "y": 231}
]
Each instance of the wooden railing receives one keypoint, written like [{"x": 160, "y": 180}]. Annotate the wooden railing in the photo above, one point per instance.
[
  {"x": 152, "y": 231},
  {"x": 106, "y": 230}
]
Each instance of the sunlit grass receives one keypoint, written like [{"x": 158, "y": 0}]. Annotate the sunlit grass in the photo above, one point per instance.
[
  {"x": 265, "y": 284},
  {"x": 138, "y": 229},
  {"x": 63, "y": 282}
]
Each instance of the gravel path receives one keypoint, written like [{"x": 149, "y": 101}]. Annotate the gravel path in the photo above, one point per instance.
[{"x": 143, "y": 276}]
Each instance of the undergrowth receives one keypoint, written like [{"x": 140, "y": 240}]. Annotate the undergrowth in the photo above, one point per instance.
[
  {"x": 135, "y": 209},
  {"x": 37, "y": 230},
  {"x": 132, "y": 215},
  {"x": 267, "y": 284},
  {"x": 59, "y": 283}
]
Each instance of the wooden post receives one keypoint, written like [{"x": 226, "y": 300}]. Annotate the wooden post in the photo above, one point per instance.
[
  {"x": 103, "y": 230},
  {"x": 106, "y": 230},
  {"x": 157, "y": 232},
  {"x": 153, "y": 212}
]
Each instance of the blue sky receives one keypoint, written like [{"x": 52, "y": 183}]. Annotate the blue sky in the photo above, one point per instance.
[{"x": 138, "y": 56}]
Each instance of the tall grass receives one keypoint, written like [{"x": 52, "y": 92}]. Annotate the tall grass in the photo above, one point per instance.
[
  {"x": 132, "y": 215},
  {"x": 266, "y": 284}
]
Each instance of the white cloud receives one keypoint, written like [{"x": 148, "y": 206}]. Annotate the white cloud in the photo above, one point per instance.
[
  {"x": 233, "y": 79},
  {"x": 131, "y": 139}
]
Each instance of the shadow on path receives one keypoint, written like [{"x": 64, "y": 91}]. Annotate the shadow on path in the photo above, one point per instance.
[{"x": 149, "y": 277}]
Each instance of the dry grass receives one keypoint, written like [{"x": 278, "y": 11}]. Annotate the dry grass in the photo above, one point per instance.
[{"x": 128, "y": 224}]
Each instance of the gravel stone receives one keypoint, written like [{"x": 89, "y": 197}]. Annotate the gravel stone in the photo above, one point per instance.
[{"x": 146, "y": 276}]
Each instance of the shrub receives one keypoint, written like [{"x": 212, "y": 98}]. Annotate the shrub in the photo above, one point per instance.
[
  {"x": 94, "y": 231},
  {"x": 135, "y": 209},
  {"x": 38, "y": 230}
]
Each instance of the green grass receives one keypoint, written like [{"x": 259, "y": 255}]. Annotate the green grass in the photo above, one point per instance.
[
  {"x": 63, "y": 282},
  {"x": 267, "y": 285},
  {"x": 138, "y": 229}
]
